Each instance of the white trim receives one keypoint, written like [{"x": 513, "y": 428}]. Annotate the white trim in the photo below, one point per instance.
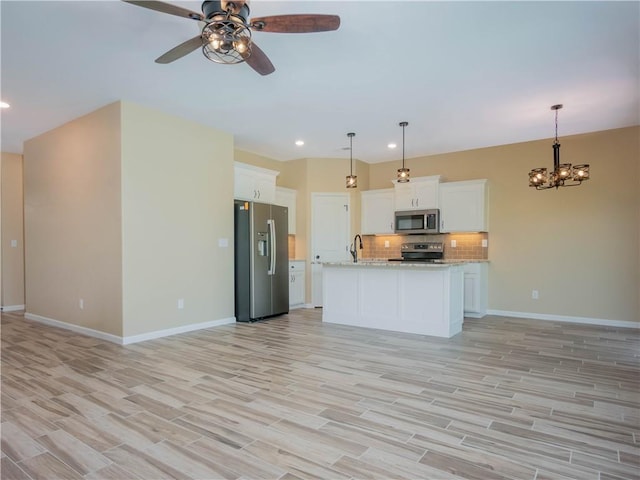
[
  {"x": 565, "y": 318},
  {"x": 133, "y": 338},
  {"x": 11, "y": 308},
  {"x": 74, "y": 328},
  {"x": 176, "y": 330},
  {"x": 475, "y": 314}
]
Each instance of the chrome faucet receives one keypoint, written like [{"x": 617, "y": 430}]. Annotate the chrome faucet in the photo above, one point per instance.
[{"x": 353, "y": 250}]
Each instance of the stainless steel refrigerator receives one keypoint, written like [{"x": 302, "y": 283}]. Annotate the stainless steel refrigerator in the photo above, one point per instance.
[{"x": 261, "y": 260}]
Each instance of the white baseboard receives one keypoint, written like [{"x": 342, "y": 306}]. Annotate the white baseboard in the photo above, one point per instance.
[
  {"x": 130, "y": 339},
  {"x": 566, "y": 318},
  {"x": 74, "y": 328},
  {"x": 474, "y": 314},
  {"x": 11, "y": 308},
  {"x": 176, "y": 330}
]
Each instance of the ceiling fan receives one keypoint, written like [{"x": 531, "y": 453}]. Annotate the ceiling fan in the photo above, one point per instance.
[{"x": 226, "y": 31}]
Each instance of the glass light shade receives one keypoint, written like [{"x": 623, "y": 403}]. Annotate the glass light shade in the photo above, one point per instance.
[
  {"x": 403, "y": 175},
  {"x": 581, "y": 172},
  {"x": 352, "y": 181},
  {"x": 537, "y": 176},
  {"x": 564, "y": 171}
]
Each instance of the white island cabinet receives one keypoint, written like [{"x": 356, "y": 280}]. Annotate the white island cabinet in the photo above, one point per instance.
[{"x": 426, "y": 299}]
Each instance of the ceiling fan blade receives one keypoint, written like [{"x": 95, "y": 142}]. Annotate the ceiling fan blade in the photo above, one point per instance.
[
  {"x": 181, "y": 50},
  {"x": 259, "y": 61},
  {"x": 297, "y": 23},
  {"x": 167, "y": 8}
]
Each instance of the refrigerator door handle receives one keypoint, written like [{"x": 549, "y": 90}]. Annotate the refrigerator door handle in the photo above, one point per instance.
[{"x": 271, "y": 224}]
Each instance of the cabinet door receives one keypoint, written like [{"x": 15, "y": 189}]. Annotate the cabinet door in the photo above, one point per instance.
[
  {"x": 296, "y": 283},
  {"x": 243, "y": 185},
  {"x": 377, "y": 208},
  {"x": 254, "y": 183},
  {"x": 475, "y": 289},
  {"x": 419, "y": 193},
  {"x": 404, "y": 196},
  {"x": 426, "y": 193},
  {"x": 265, "y": 186},
  {"x": 287, "y": 198},
  {"x": 470, "y": 292},
  {"x": 463, "y": 206}
]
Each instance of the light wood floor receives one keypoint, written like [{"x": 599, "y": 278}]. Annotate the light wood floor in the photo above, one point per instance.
[{"x": 292, "y": 398}]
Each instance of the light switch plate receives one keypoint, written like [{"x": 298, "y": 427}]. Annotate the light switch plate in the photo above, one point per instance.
[
  {"x": 223, "y": 242},
  {"x": 14, "y": 243}
]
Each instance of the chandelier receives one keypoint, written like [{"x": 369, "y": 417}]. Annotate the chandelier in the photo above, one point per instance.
[
  {"x": 403, "y": 173},
  {"x": 352, "y": 180},
  {"x": 563, "y": 174}
]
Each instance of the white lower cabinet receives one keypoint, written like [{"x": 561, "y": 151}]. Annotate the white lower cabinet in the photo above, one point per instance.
[
  {"x": 296, "y": 283},
  {"x": 475, "y": 290}
]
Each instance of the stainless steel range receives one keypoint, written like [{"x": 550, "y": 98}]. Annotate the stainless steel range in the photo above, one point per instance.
[{"x": 432, "y": 252}]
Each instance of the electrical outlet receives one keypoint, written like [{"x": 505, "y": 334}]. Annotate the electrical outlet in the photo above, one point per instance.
[
  {"x": 386, "y": 244},
  {"x": 535, "y": 294},
  {"x": 180, "y": 303},
  {"x": 81, "y": 304},
  {"x": 485, "y": 243},
  {"x": 454, "y": 244}
]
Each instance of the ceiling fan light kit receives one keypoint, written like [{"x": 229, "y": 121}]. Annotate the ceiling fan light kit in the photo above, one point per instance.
[{"x": 226, "y": 35}]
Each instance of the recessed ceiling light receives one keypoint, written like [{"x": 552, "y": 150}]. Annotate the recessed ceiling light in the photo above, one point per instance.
[
  {"x": 392, "y": 145},
  {"x": 299, "y": 143},
  {"x": 4, "y": 105}
]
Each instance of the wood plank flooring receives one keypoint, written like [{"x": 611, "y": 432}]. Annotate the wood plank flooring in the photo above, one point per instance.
[{"x": 293, "y": 398}]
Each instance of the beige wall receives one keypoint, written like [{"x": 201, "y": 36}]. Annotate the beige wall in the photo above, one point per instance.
[
  {"x": 11, "y": 229},
  {"x": 579, "y": 247},
  {"x": 177, "y": 202},
  {"x": 72, "y": 222}
]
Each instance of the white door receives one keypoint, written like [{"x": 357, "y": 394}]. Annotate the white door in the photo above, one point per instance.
[{"x": 329, "y": 236}]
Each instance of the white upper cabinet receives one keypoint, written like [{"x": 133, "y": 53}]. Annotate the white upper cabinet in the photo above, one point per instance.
[
  {"x": 287, "y": 198},
  {"x": 377, "y": 208},
  {"x": 464, "y": 206},
  {"x": 254, "y": 183},
  {"x": 419, "y": 193}
]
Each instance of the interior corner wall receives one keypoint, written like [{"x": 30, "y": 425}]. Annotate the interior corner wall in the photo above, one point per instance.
[
  {"x": 177, "y": 222},
  {"x": 579, "y": 247},
  {"x": 72, "y": 223},
  {"x": 11, "y": 232}
]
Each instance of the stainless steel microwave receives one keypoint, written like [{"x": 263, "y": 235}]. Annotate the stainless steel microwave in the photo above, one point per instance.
[{"x": 417, "y": 221}]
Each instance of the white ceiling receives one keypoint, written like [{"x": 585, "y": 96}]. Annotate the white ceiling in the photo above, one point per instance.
[{"x": 463, "y": 74}]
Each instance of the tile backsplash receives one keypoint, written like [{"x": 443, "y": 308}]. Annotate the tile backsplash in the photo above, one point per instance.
[{"x": 468, "y": 245}]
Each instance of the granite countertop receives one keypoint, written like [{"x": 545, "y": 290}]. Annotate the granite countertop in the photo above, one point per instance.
[{"x": 386, "y": 264}]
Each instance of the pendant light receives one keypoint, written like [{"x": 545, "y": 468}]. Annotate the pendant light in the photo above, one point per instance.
[
  {"x": 403, "y": 173},
  {"x": 352, "y": 180},
  {"x": 563, "y": 175}
]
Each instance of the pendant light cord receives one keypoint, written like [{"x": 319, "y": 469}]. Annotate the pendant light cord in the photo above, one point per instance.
[
  {"x": 351, "y": 153},
  {"x": 403, "y": 145}
]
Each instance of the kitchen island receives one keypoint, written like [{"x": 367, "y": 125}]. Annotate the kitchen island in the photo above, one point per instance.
[{"x": 422, "y": 298}]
